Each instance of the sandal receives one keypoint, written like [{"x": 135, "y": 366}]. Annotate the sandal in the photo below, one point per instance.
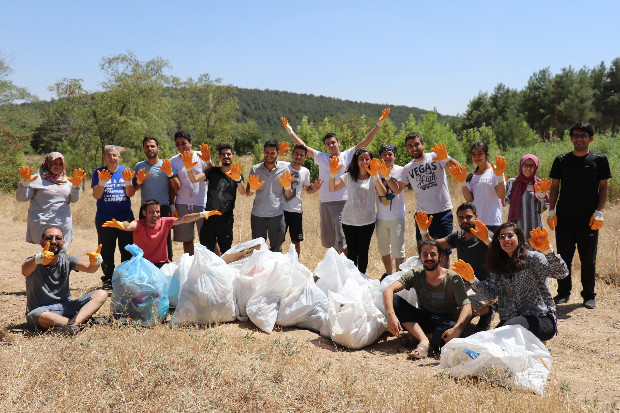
[{"x": 420, "y": 352}]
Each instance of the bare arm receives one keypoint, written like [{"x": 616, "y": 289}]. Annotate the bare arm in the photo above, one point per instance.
[
  {"x": 85, "y": 266},
  {"x": 500, "y": 188},
  {"x": 335, "y": 185},
  {"x": 603, "y": 192},
  {"x": 195, "y": 178},
  {"x": 28, "y": 267},
  {"x": 553, "y": 193},
  {"x": 394, "y": 326},
  {"x": 298, "y": 140},
  {"x": 241, "y": 187},
  {"x": 396, "y": 186},
  {"x": 98, "y": 191},
  {"x": 469, "y": 197},
  {"x": 187, "y": 219},
  {"x": 380, "y": 188},
  {"x": 369, "y": 138},
  {"x": 442, "y": 241},
  {"x": 461, "y": 323}
]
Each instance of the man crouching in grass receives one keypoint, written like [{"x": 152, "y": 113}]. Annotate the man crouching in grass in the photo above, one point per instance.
[
  {"x": 444, "y": 309},
  {"x": 49, "y": 302}
]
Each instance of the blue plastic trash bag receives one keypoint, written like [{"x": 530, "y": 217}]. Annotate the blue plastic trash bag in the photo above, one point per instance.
[{"x": 140, "y": 289}]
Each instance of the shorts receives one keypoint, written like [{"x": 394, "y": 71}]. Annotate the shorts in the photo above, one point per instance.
[
  {"x": 441, "y": 227},
  {"x": 66, "y": 309},
  {"x": 331, "y": 226},
  {"x": 185, "y": 232},
  {"x": 218, "y": 229},
  {"x": 294, "y": 223},
  {"x": 391, "y": 233}
]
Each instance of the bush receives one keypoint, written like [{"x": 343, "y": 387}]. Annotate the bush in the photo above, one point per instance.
[{"x": 11, "y": 158}]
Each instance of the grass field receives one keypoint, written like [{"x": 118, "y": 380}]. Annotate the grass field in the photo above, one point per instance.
[{"x": 236, "y": 367}]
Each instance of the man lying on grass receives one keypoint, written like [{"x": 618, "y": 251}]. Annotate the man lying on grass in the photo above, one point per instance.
[
  {"x": 444, "y": 309},
  {"x": 48, "y": 301}
]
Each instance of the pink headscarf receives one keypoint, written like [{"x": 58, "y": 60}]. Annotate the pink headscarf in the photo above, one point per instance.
[
  {"x": 45, "y": 170},
  {"x": 519, "y": 186}
]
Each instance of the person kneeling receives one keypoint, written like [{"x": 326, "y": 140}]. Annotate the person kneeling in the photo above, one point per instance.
[
  {"x": 48, "y": 299},
  {"x": 444, "y": 309}
]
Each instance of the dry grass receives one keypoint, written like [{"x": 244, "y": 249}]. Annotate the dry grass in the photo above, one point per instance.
[{"x": 235, "y": 367}]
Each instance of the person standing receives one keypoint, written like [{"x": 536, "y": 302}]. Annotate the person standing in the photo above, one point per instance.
[
  {"x": 224, "y": 183},
  {"x": 485, "y": 187},
  {"x": 112, "y": 188},
  {"x": 579, "y": 192},
  {"x": 267, "y": 219},
  {"x": 162, "y": 181},
  {"x": 293, "y": 211},
  {"x": 358, "y": 214},
  {"x": 50, "y": 192},
  {"x": 390, "y": 215},
  {"x": 332, "y": 203},
  {"x": 427, "y": 176},
  {"x": 190, "y": 197}
]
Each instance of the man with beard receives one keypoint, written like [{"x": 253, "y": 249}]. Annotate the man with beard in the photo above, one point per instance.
[
  {"x": 427, "y": 176},
  {"x": 162, "y": 180},
  {"x": 48, "y": 298},
  {"x": 443, "y": 309},
  {"x": 267, "y": 219},
  {"x": 223, "y": 184},
  {"x": 471, "y": 242}
]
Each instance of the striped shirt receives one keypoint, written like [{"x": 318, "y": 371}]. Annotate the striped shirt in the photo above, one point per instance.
[{"x": 531, "y": 208}]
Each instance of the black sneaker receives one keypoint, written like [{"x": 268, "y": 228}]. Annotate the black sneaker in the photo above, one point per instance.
[
  {"x": 107, "y": 285},
  {"x": 67, "y": 330},
  {"x": 561, "y": 299},
  {"x": 484, "y": 323},
  {"x": 589, "y": 304}
]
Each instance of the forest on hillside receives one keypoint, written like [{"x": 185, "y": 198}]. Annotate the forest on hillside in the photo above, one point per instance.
[{"x": 139, "y": 98}]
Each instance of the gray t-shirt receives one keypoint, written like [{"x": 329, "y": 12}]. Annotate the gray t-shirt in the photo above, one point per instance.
[
  {"x": 473, "y": 252},
  {"x": 49, "y": 284},
  {"x": 269, "y": 198},
  {"x": 156, "y": 185}
]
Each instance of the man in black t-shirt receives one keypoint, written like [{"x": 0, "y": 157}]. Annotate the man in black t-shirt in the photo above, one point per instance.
[
  {"x": 223, "y": 184},
  {"x": 580, "y": 179}
]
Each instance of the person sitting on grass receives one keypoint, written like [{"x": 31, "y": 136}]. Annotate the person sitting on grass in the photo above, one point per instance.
[
  {"x": 471, "y": 242},
  {"x": 444, "y": 309},
  {"x": 519, "y": 279},
  {"x": 151, "y": 232},
  {"x": 48, "y": 298}
]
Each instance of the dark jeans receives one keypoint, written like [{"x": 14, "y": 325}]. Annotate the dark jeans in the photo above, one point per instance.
[
  {"x": 437, "y": 324},
  {"x": 269, "y": 227},
  {"x": 217, "y": 229},
  {"x": 358, "y": 242},
  {"x": 568, "y": 233},
  {"x": 544, "y": 328},
  {"x": 441, "y": 226},
  {"x": 108, "y": 237}
]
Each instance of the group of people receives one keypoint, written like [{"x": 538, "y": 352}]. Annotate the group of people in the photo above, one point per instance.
[{"x": 502, "y": 272}]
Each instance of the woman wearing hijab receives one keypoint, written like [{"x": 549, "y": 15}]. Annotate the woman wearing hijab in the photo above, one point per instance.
[
  {"x": 527, "y": 195},
  {"x": 49, "y": 193}
]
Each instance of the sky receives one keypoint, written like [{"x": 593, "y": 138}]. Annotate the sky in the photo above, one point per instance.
[{"x": 428, "y": 54}]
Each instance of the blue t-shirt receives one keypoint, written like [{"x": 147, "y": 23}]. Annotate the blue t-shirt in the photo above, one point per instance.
[
  {"x": 114, "y": 203},
  {"x": 156, "y": 185}
]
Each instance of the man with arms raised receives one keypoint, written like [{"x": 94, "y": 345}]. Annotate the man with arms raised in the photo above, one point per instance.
[
  {"x": 471, "y": 242},
  {"x": 48, "y": 298},
  {"x": 271, "y": 180},
  {"x": 224, "y": 182},
  {"x": 162, "y": 180},
  {"x": 427, "y": 176},
  {"x": 191, "y": 197},
  {"x": 579, "y": 179},
  {"x": 332, "y": 203},
  {"x": 443, "y": 309}
]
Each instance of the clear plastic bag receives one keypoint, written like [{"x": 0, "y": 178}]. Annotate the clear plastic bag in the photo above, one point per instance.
[{"x": 140, "y": 289}]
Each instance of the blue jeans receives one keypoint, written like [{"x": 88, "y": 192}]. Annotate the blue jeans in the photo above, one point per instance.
[{"x": 66, "y": 309}]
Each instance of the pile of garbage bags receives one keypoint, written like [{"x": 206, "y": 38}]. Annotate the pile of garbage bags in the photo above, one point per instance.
[{"x": 267, "y": 288}]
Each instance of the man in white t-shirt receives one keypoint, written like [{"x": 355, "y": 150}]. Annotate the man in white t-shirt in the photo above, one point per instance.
[
  {"x": 332, "y": 203},
  {"x": 390, "y": 224},
  {"x": 292, "y": 206},
  {"x": 427, "y": 176},
  {"x": 190, "y": 197}
]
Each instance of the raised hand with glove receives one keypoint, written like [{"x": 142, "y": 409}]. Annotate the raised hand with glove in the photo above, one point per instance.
[
  {"x": 481, "y": 232},
  {"x": 95, "y": 257},
  {"x": 464, "y": 270},
  {"x": 141, "y": 176},
  {"x": 459, "y": 173},
  {"x": 286, "y": 180},
  {"x": 424, "y": 221},
  {"x": 253, "y": 182},
  {"x": 542, "y": 188},
  {"x": 166, "y": 167},
  {"x": 204, "y": 154},
  {"x": 25, "y": 173},
  {"x": 384, "y": 115},
  {"x": 44, "y": 257},
  {"x": 188, "y": 159},
  {"x": 441, "y": 154},
  {"x": 284, "y": 147},
  {"x": 334, "y": 166},
  {"x": 104, "y": 176},
  {"x": 540, "y": 240},
  {"x": 77, "y": 178},
  {"x": 499, "y": 166},
  {"x": 235, "y": 172}
]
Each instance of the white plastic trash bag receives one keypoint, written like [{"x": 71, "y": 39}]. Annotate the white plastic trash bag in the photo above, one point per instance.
[
  {"x": 510, "y": 354},
  {"x": 178, "y": 278},
  {"x": 207, "y": 296},
  {"x": 409, "y": 295},
  {"x": 169, "y": 269},
  {"x": 352, "y": 318},
  {"x": 305, "y": 304},
  {"x": 334, "y": 271}
]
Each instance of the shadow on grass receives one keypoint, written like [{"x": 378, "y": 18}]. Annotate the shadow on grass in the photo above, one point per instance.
[
  {"x": 563, "y": 310},
  {"x": 13, "y": 293}
]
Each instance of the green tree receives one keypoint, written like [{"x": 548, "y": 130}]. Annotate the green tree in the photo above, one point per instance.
[
  {"x": 611, "y": 97},
  {"x": 537, "y": 102},
  {"x": 130, "y": 105}
]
